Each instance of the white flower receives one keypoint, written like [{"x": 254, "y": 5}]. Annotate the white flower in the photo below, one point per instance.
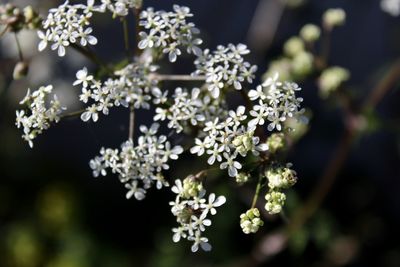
[
  {"x": 199, "y": 241},
  {"x": 83, "y": 78},
  {"x": 134, "y": 190},
  {"x": 231, "y": 164},
  {"x": 213, "y": 203}
]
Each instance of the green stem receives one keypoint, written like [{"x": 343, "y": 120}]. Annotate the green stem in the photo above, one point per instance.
[
  {"x": 258, "y": 189},
  {"x": 126, "y": 37},
  {"x": 72, "y": 114},
  {"x": 21, "y": 56}
]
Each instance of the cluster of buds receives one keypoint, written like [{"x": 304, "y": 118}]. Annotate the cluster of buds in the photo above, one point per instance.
[
  {"x": 278, "y": 178},
  {"x": 16, "y": 19},
  {"x": 331, "y": 79},
  {"x": 250, "y": 221},
  {"x": 244, "y": 143},
  {"x": 276, "y": 142},
  {"x": 334, "y": 17},
  {"x": 242, "y": 178},
  {"x": 192, "y": 186}
]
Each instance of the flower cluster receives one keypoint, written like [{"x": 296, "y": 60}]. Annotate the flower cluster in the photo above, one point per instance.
[
  {"x": 250, "y": 221},
  {"x": 191, "y": 209},
  {"x": 189, "y": 109},
  {"x": 39, "y": 117},
  {"x": 68, "y": 24},
  {"x": 120, "y": 8},
  {"x": 279, "y": 178},
  {"x": 132, "y": 86},
  {"x": 227, "y": 139},
  {"x": 276, "y": 102},
  {"x": 138, "y": 167},
  {"x": 225, "y": 67},
  {"x": 169, "y": 32},
  {"x": 16, "y": 19}
]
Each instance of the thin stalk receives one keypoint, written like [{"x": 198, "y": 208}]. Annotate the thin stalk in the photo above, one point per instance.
[
  {"x": 72, "y": 114},
  {"x": 21, "y": 56},
  {"x": 258, "y": 189},
  {"x": 131, "y": 123},
  {"x": 4, "y": 31},
  {"x": 126, "y": 37},
  {"x": 136, "y": 12}
]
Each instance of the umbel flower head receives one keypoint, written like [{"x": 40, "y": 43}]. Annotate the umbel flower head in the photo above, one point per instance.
[
  {"x": 38, "y": 116},
  {"x": 138, "y": 167}
]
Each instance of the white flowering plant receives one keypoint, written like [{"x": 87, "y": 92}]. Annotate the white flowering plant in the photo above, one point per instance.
[{"x": 245, "y": 140}]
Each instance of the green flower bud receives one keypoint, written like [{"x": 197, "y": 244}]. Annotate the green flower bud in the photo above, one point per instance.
[
  {"x": 334, "y": 17},
  {"x": 242, "y": 178},
  {"x": 191, "y": 187},
  {"x": 244, "y": 143},
  {"x": 20, "y": 70},
  {"x": 282, "y": 66},
  {"x": 293, "y": 46},
  {"x": 250, "y": 221},
  {"x": 302, "y": 64},
  {"x": 29, "y": 13},
  {"x": 331, "y": 79},
  {"x": 310, "y": 33},
  {"x": 276, "y": 142},
  {"x": 275, "y": 201}
]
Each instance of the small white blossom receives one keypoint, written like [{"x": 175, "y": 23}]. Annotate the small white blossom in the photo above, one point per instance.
[
  {"x": 138, "y": 166},
  {"x": 38, "y": 116},
  {"x": 169, "y": 32},
  {"x": 225, "y": 67},
  {"x": 191, "y": 210}
]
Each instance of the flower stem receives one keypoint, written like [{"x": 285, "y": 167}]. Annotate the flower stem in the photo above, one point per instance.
[
  {"x": 132, "y": 123},
  {"x": 72, "y": 114},
  {"x": 258, "y": 188},
  {"x": 126, "y": 37},
  {"x": 21, "y": 56}
]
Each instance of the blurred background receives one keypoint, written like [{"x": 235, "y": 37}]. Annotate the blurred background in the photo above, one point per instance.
[{"x": 54, "y": 213}]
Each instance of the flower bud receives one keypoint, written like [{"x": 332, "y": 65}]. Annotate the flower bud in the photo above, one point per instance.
[
  {"x": 275, "y": 201},
  {"x": 20, "y": 70},
  {"x": 310, "y": 33},
  {"x": 244, "y": 143},
  {"x": 293, "y": 46},
  {"x": 302, "y": 64},
  {"x": 250, "y": 221},
  {"x": 331, "y": 79},
  {"x": 276, "y": 142},
  {"x": 191, "y": 187},
  {"x": 242, "y": 178},
  {"x": 334, "y": 17}
]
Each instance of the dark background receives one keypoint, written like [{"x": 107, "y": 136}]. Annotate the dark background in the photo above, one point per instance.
[{"x": 53, "y": 213}]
